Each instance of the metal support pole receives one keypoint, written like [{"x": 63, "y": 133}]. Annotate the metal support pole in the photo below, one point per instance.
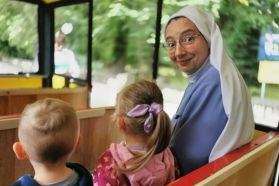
[
  {"x": 157, "y": 40},
  {"x": 263, "y": 91}
]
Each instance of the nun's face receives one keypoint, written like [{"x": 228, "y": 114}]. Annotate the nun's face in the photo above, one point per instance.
[{"x": 190, "y": 49}]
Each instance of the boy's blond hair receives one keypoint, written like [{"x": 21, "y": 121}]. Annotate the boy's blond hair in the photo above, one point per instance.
[{"x": 48, "y": 130}]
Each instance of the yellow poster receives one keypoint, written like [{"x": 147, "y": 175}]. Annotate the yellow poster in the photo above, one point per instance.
[{"x": 269, "y": 72}]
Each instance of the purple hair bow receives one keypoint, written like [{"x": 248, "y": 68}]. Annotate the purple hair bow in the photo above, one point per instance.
[{"x": 142, "y": 109}]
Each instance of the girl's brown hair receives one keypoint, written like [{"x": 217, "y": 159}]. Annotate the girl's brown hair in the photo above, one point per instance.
[{"x": 143, "y": 92}]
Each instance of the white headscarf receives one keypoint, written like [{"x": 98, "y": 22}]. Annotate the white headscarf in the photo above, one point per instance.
[{"x": 239, "y": 129}]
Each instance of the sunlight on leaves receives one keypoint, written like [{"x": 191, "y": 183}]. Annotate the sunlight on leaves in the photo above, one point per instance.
[
  {"x": 245, "y": 2},
  {"x": 116, "y": 10}
]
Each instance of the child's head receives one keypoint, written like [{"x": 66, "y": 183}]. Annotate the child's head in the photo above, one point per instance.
[
  {"x": 48, "y": 131},
  {"x": 59, "y": 41},
  {"x": 141, "y": 107}
]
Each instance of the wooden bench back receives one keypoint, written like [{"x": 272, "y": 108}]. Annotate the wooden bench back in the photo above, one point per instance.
[
  {"x": 249, "y": 165},
  {"x": 13, "y": 101}
]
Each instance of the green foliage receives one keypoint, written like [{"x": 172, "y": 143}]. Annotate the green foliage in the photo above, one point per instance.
[
  {"x": 124, "y": 31},
  {"x": 272, "y": 91},
  {"x": 12, "y": 51},
  {"x": 241, "y": 27},
  {"x": 18, "y": 27},
  {"x": 121, "y": 32}
]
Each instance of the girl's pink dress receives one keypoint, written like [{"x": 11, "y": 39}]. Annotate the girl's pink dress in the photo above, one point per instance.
[{"x": 160, "y": 170}]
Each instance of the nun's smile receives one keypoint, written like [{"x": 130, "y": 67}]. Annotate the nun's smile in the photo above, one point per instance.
[{"x": 191, "y": 51}]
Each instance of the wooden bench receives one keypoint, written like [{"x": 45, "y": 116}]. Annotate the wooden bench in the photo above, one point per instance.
[
  {"x": 13, "y": 101},
  {"x": 249, "y": 165},
  {"x": 97, "y": 133}
]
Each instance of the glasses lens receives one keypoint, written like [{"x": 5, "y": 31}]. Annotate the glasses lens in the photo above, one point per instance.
[
  {"x": 187, "y": 41},
  {"x": 169, "y": 46},
  {"x": 171, "y": 49}
]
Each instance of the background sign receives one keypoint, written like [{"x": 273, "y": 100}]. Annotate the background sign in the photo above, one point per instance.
[
  {"x": 269, "y": 46},
  {"x": 268, "y": 72},
  {"x": 268, "y": 55}
]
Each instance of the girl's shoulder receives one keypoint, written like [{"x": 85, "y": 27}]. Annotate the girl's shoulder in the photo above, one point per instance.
[{"x": 103, "y": 176}]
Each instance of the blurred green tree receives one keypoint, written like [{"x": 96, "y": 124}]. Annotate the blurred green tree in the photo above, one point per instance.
[
  {"x": 124, "y": 31},
  {"x": 18, "y": 29}
]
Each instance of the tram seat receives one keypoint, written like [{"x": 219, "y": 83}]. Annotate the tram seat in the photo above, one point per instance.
[
  {"x": 250, "y": 165},
  {"x": 13, "y": 101},
  {"x": 97, "y": 133}
]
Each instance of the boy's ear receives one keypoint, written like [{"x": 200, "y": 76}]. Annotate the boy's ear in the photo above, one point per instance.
[
  {"x": 121, "y": 124},
  {"x": 78, "y": 142},
  {"x": 19, "y": 151}
]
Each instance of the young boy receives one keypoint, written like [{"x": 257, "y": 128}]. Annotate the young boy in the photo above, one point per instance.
[{"x": 48, "y": 134}]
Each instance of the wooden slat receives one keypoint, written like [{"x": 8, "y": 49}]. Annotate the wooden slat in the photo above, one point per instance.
[
  {"x": 7, "y": 157},
  {"x": 12, "y": 121},
  {"x": 17, "y": 103},
  {"x": 3, "y": 106},
  {"x": 79, "y": 99},
  {"x": 16, "y": 99},
  {"x": 256, "y": 173}
]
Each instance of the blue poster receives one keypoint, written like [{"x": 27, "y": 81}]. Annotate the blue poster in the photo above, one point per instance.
[{"x": 269, "y": 46}]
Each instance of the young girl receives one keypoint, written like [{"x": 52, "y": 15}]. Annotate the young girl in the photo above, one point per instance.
[{"x": 144, "y": 158}]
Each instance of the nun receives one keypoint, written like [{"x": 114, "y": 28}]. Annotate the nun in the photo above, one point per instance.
[{"x": 215, "y": 114}]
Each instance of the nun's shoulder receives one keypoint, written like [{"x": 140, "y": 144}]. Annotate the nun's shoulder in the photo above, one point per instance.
[{"x": 211, "y": 74}]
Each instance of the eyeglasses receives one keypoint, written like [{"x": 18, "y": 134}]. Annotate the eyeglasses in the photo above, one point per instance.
[{"x": 184, "y": 41}]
